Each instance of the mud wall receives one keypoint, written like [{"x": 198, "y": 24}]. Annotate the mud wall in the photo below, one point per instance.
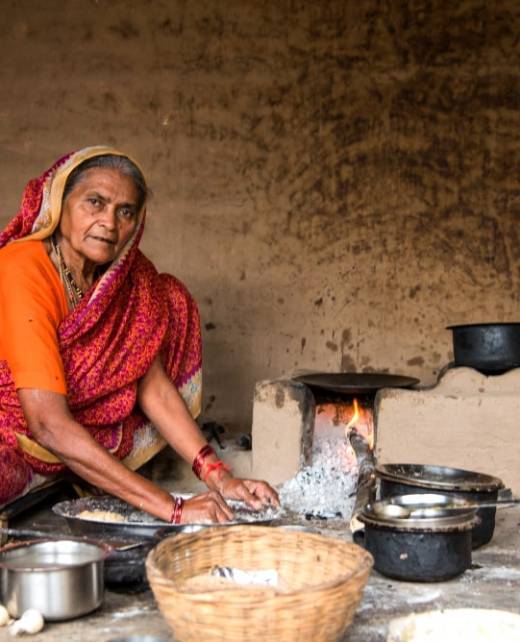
[{"x": 336, "y": 182}]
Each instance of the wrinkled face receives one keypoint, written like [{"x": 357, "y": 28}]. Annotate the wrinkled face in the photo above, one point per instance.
[{"x": 99, "y": 215}]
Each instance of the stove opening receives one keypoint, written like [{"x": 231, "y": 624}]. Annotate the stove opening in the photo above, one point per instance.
[
  {"x": 326, "y": 487},
  {"x": 334, "y": 421}
]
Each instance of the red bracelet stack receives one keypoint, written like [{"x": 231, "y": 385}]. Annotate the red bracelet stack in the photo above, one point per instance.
[
  {"x": 217, "y": 465},
  {"x": 198, "y": 462},
  {"x": 177, "y": 511},
  {"x": 201, "y": 469}
]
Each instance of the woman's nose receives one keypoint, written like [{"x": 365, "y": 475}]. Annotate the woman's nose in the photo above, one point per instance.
[{"x": 109, "y": 218}]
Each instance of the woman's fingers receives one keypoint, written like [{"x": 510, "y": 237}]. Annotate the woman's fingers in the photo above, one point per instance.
[
  {"x": 235, "y": 488},
  {"x": 249, "y": 497},
  {"x": 223, "y": 512},
  {"x": 256, "y": 494},
  {"x": 211, "y": 506},
  {"x": 263, "y": 491},
  {"x": 207, "y": 507}
]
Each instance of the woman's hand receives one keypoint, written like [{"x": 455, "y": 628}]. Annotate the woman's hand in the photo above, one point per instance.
[
  {"x": 256, "y": 494},
  {"x": 207, "y": 507}
]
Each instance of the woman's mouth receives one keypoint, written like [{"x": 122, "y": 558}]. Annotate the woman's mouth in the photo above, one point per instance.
[{"x": 102, "y": 239}]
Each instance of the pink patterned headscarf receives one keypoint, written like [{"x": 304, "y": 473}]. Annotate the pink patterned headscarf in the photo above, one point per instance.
[{"x": 111, "y": 338}]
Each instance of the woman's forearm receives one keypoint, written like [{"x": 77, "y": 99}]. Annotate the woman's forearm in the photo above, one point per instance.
[
  {"x": 94, "y": 464},
  {"x": 177, "y": 426},
  {"x": 54, "y": 428},
  {"x": 161, "y": 402},
  {"x": 164, "y": 406}
]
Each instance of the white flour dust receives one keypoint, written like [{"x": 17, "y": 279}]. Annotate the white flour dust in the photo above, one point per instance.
[{"x": 324, "y": 489}]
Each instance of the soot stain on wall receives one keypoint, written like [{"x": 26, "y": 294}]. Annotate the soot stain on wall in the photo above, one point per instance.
[{"x": 358, "y": 162}]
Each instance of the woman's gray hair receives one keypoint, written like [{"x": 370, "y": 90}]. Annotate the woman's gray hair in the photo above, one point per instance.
[{"x": 109, "y": 161}]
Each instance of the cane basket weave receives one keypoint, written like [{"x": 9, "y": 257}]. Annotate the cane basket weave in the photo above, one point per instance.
[{"x": 325, "y": 576}]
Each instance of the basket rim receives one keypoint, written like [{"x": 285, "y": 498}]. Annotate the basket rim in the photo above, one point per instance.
[{"x": 366, "y": 562}]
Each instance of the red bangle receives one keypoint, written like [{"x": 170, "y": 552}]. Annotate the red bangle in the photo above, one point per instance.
[
  {"x": 198, "y": 462},
  {"x": 177, "y": 511},
  {"x": 217, "y": 465}
]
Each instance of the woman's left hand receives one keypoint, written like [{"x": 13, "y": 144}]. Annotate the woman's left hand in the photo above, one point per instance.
[{"x": 256, "y": 494}]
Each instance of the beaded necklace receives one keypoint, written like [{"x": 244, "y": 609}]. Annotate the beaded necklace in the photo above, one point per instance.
[{"x": 74, "y": 292}]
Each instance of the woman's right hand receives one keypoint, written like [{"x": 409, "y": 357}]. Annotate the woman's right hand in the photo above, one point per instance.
[{"x": 206, "y": 507}]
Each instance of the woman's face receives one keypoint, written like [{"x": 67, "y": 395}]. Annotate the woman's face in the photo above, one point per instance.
[{"x": 99, "y": 215}]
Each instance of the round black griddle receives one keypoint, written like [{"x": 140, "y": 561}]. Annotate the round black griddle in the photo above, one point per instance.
[{"x": 355, "y": 383}]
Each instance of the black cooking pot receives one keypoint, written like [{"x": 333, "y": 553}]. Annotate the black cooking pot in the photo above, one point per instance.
[
  {"x": 418, "y": 549},
  {"x": 402, "y": 479},
  {"x": 488, "y": 347},
  {"x": 125, "y": 569}
]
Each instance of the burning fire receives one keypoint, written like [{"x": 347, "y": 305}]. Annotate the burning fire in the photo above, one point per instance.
[
  {"x": 353, "y": 419},
  {"x": 335, "y": 421},
  {"x": 362, "y": 421}
]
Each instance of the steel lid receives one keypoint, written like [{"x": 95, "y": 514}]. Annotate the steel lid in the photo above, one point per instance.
[
  {"x": 51, "y": 554},
  {"x": 427, "y": 512},
  {"x": 439, "y": 477}
]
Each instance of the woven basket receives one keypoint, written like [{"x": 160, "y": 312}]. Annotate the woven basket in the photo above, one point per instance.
[{"x": 325, "y": 581}]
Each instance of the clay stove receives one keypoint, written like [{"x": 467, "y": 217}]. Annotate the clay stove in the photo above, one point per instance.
[
  {"x": 466, "y": 420},
  {"x": 294, "y": 425}
]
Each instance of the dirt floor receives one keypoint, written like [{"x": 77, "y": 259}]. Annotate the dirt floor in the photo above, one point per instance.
[{"x": 492, "y": 582}]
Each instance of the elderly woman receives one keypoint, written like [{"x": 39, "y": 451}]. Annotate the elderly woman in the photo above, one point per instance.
[{"x": 100, "y": 356}]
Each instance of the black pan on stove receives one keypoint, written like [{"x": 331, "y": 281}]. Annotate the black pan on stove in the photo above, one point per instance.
[{"x": 355, "y": 383}]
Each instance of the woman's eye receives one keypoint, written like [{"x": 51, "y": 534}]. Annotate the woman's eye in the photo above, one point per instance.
[
  {"x": 94, "y": 201},
  {"x": 126, "y": 213}
]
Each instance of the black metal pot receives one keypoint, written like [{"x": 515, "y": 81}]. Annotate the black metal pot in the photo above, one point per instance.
[
  {"x": 418, "y": 556},
  {"x": 489, "y": 347},
  {"x": 402, "y": 479},
  {"x": 418, "y": 550},
  {"x": 125, "y": 569}
]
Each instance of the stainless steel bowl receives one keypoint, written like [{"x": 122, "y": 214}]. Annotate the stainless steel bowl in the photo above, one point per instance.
[
  {"x": 431, "y": 511},
  {"x": 63, "y": 579}
]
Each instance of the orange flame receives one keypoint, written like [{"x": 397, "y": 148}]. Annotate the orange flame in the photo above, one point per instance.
[
  {"x": 365, "y": 428},
  {"x": 354, "y": 418}
]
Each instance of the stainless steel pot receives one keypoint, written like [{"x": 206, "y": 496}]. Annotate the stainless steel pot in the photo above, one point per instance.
[{"x": 63, "y": 579}]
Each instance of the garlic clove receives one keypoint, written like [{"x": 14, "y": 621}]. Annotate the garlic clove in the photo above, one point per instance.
[
  {"x": 4, "y": 615},
  {"x": 31, "y": 622},
  {"x": 15, "y": 629}
]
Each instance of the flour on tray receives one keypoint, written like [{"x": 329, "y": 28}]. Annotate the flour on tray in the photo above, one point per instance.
[
  {"x": 101, "y": 516},
  {"x": 241, "y": 514}
]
